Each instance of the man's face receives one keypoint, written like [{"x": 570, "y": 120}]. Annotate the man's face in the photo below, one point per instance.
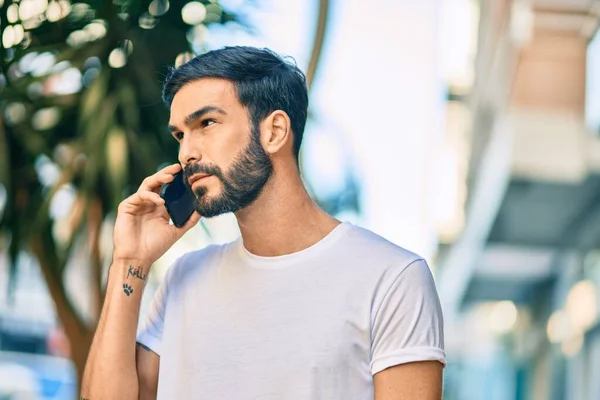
[{"x": 224, "y": 164}]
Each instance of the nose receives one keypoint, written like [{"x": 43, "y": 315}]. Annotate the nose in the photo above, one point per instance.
[{"x": 189, "y": 151}]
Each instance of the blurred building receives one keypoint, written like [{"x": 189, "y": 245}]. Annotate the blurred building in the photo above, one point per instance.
[{"x": 519, "y": 283}]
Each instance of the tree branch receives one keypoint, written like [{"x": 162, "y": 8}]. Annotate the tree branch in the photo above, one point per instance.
[
  {"x": 317, "y": 46},
  {"x": 95, "y": 225},
  {"x": 42, "y": 246}
]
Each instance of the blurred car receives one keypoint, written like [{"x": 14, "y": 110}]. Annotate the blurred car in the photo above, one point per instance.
[
  {"x": 18, "y": 382},
  {"x": 27, "y": 371}
]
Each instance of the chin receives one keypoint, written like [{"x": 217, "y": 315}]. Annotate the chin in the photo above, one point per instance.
[
  {"x": 207, "y": 206},
  {"x": 204, "y": 193}
]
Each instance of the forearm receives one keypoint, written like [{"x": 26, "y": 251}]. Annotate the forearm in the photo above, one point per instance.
[{"x": 110, "y": 370}]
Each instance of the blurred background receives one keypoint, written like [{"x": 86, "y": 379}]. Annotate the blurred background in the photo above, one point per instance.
[{"x": 464, "y": 130}]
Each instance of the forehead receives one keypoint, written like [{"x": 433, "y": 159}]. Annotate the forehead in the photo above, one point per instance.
[{"x": 203, "y": 92}]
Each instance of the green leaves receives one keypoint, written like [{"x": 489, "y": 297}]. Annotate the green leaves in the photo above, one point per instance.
[{"x": 94, "y": 69}]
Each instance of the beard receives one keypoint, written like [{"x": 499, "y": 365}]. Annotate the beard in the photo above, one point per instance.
[{"x": 242, "y": 183}]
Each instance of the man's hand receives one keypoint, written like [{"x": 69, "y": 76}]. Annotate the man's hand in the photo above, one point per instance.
[{"x": 142, "y": 230}]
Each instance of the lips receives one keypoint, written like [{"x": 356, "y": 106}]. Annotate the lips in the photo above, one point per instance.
[{"x": 196, "y": 177}]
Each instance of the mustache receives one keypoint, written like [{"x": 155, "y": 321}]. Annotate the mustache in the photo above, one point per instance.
[{"x": 198, "y": 168}]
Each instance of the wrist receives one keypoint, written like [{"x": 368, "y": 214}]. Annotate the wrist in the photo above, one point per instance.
[
  {"x": 132, "y": 271},
  {"x": 126, "y": 261}
]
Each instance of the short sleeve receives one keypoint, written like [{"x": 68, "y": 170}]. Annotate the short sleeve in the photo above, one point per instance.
[
  {"x": 408, "y": 324},
  {"x": 151, "y": 329}
]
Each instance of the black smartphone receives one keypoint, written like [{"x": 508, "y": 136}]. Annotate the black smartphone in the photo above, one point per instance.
[{"x": 179, "y": 200}]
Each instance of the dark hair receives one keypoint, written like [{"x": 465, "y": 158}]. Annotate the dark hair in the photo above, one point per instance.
[{"x": 263, "y": 81}]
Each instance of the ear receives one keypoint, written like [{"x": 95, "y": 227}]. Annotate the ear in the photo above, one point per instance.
[{"x": 276, "y": 132}]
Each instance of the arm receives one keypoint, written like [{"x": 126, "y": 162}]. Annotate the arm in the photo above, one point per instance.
[
  {"x": 408, "y": 336},
  {"x": 147, "y": 369},
  {"x": 416, "y": 380},
  {"x": 115, "y": 369},
  {"x": 111, "y": 366}
]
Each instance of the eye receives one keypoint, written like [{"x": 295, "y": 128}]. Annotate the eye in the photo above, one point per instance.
[
  {"x": 208, "y": 122},
  {"x": 178, "y": 135}
]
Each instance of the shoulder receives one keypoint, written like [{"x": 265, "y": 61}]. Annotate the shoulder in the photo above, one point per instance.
[
  {"x": 364, "y": 243},
  {"x": 388, "y": 266}
]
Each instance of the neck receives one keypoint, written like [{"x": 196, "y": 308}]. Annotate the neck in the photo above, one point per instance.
[{"x": 283, "y": 219}]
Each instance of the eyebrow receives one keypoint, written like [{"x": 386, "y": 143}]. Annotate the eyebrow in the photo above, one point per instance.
[{"x": 197, "y": 115}]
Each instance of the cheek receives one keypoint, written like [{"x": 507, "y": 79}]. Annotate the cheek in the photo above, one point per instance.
[{"x": 225, "y": 145}]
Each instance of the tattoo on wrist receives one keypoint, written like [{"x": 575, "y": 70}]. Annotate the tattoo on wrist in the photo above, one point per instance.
[
  {"x": 127, "y": 289},
  {"x": 136, "y": 272}
]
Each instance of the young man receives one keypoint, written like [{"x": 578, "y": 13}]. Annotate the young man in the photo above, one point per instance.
[{"x": 300, "y": 307}]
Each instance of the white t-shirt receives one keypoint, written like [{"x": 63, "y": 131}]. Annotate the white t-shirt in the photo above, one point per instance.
[{"x": 316, "y": 324}]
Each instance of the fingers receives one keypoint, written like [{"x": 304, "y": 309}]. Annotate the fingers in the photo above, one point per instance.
[
  {"x": 154, "y": 182},
  {"x": 165, "y": 175},
  {"x": 171, "y": 169},
  {"x": 153, "y": 197},
  {"x": 142, "y": 197}
]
